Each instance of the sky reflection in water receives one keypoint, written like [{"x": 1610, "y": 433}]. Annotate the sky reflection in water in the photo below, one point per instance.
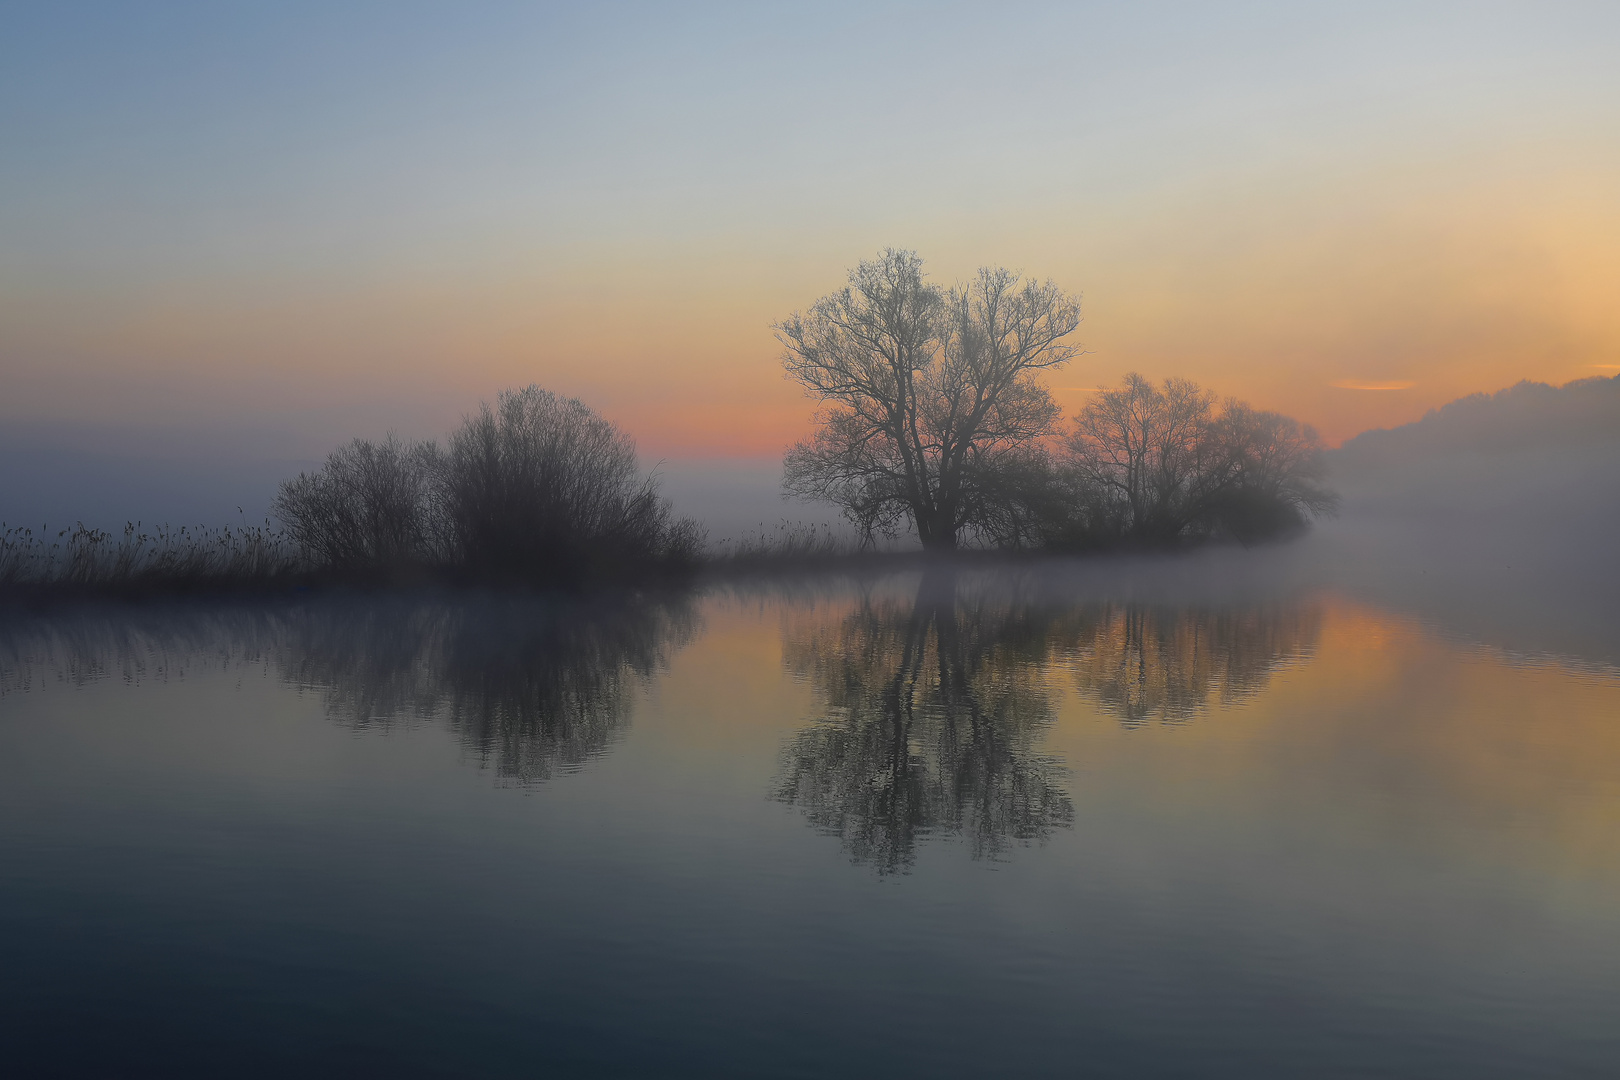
[{"x": 781, "y": 829}]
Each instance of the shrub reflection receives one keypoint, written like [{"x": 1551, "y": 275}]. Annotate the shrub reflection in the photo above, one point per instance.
[{"x": 530, "y": 686}]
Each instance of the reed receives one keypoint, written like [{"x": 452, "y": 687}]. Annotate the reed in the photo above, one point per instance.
[
  {"x": 136, "y": 559},
  {"x": 787, "y": 544}
]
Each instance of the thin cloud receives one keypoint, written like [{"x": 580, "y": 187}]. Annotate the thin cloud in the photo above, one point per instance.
[{"x": 1351, "y": 384}]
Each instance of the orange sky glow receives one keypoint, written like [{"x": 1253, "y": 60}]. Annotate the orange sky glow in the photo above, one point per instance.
[{"x": 1415, "y": 214}]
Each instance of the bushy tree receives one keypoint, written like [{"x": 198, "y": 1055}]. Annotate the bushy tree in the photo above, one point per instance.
[
  {"x": 1159, "y": 464},
  {"x": 541, "y": 483}
]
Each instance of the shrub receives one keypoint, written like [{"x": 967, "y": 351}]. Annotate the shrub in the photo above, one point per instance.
[
  {"x": 541, "y": 487},
  {"x": 371, "y": 506},
  {"x": 538, "y": 488}
]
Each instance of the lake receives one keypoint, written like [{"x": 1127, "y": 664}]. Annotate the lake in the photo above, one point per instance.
[{"x": 1235, "y": 815}]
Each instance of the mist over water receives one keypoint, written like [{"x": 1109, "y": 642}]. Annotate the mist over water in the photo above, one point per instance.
[{"x": 1495, "y": 517}]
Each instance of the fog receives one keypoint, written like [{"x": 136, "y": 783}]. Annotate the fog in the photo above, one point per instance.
[
  {"x": 57, "y": 475},
  {"x": 735, "y": 499},
  {"x": 104, "y": 477},
  {"x": 1495, "y": 517}
]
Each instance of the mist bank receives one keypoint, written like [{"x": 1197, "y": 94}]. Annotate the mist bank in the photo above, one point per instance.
[{"x": 1496, "y": 517}]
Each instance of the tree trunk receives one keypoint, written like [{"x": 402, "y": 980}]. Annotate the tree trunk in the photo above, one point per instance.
[{"x": 936, "y": 530}]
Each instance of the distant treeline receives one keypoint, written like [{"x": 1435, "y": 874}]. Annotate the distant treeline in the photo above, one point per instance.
[{"x": 1528, "y": 461}]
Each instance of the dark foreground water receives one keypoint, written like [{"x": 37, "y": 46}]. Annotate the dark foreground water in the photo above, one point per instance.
[{"x": 1096, "y": 821}]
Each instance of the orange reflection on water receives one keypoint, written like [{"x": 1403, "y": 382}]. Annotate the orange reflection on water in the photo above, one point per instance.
[{"x": 1369, "y": 728}]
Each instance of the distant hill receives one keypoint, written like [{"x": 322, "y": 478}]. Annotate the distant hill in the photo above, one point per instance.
[
  {"x": 1529, "y": 417},
  {"x": 1532, "y": 448}
]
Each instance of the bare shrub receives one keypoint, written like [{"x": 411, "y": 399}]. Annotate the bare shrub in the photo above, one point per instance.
[
  {"x": 538, "y": 488},
  {"x": 541, "y": 487},
  {"x": 1160, "y": 464},
  {"x": 372, "y": 505}
]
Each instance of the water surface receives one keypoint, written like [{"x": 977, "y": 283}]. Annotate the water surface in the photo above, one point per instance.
[{"x": 1145, "y": 820}]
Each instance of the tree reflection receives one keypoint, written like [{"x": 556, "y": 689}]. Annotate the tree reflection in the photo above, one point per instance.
[
  {"x": 531, "y": 686},
  {"x": 935, "y": 712},
  {"x": 1145, "y": 663},
  {"x": 937, "y": 706}
]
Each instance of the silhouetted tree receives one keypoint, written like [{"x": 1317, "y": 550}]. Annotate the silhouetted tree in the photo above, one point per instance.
[
  {"x": 929, "y": 397},
  {"x": 1276, "y": 479},
  {"x": 371, "y": 505},
  {"x": 541, "y": 486},
  {"x": 1161, "y": 463},
  {"x": 538, "y": 488}
]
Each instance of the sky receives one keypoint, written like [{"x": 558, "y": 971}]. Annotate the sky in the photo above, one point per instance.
[{"x": 244, "y": 233}]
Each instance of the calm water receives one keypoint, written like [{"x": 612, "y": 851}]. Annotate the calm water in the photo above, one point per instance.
[{"x": 1129, "y": 820}]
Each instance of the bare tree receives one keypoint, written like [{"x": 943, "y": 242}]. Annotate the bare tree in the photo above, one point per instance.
[
  {"x": 1147, "y": 450},
  {"x": 1277, "y": 474},
  {"x": 1161, "y": 463},
  {"x": 929, "y": 397}
]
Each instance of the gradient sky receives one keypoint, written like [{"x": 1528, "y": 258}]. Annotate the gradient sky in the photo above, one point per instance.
[{"x": 283, "y": 225}]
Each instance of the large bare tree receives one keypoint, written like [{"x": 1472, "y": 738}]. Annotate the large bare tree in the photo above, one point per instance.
[{"x": 930, "y": 398}]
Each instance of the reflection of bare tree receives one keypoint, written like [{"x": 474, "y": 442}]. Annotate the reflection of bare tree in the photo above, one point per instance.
[
  {"x": 936, "y": 707},
  {"x": 1169, "y": 664},
  {"x": 935, "y": 712},
  {"x": 530, "y": 686}
]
